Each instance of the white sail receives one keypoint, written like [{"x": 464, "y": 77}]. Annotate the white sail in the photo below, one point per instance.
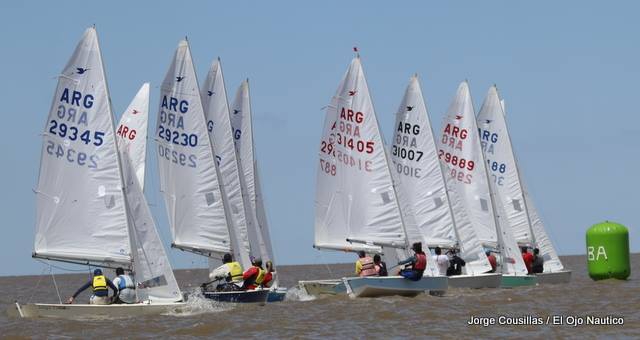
[
  {"x": 152, "y": 270},
  {"x": 132, "y": 131},
  {"x": 242, "y": 124},
  {"x": 355, "y": 196},
  {"x": 216, "y": 108},
  {"x": 415, "y": 161},
  {"x": 460, "y": 152},
  {"x": 188, "y": 175},
  {"x": 503, "y": 168},
  {"x": 81, "y": 214}
]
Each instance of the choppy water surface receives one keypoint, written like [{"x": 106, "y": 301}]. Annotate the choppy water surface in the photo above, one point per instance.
[{"x": 339, "y": 316}]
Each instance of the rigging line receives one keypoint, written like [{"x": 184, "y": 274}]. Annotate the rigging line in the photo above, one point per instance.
[
  {"x": 55, "y": 284},
  {"x": 37, "y": 284}
]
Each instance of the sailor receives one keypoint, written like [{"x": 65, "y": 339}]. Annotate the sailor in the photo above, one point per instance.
[
  {"x": 381, "y": 267},
  {"x": 455, "y": 263},
  {"x": 416, "y": 264},
  {"x": 527, "y": 257},
  {"x": 126, "y": 287},
  {"x": 537, "y": 266},
  {"x": 230, "y": 271},
  {"x": 365, "y": 265},
  {"x": 254, "y": 276},
  {"x": 492, "y": 261},
  {"x": 100, "y": 285},
  {"x": 442, "y": 261},
  {"x": 268, "y": 277}
]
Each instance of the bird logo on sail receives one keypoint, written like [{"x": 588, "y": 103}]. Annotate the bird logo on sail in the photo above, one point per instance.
[
  {"x": 210, "y": 93},
  {"x": 409, "y": 108},
  {"x": 488, "y": 121},
  {"x": 352, "y": 93},
  {"x": 81, "y": 70},
  {"x": 135, "y": 111},
  {"x": 179, "y": 78},
  {"x": 458, "y": 117},
  {"x": 236, "y": 111}
]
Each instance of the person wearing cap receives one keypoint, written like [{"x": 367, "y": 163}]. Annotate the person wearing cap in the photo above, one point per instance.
[
  {"x": 416, "y": 264},
  {"x": 230, "y": 271},
  {"x": 254, "y": 276},
  {"x": 126, "y": 287},
  {"x": 100, "y": 285}
]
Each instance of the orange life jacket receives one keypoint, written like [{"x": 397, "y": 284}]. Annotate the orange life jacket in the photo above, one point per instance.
[{"x": 368, "y": 267}]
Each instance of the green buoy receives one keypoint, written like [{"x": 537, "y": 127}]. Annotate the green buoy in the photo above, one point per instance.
[{"x": 608, "y": 251}]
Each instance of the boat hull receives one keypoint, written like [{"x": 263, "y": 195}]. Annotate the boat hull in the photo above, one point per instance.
[
  {"x": 247, "y": 296},
  {"x": 511, "y": 281},
  {"x": 277, "y": 295},
  {"x": 393, "y": 285},
  {"x": 86, "y": 311},
  {"x": 554, "y": 277},
  {"x": 323, "y": 287},
  {"x": 486, "y": 280}
]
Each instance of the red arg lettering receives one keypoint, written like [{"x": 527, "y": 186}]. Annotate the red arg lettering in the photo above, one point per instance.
[
  {"x": 351, "y": 116},
  {"x": 455, "y": 131}
]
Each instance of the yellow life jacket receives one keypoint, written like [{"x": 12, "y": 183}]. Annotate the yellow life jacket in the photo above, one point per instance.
[
  {"x": 235, "y": 271},
  {"x": 99, "y": 283},
  {"x": 260, "y": 277}
]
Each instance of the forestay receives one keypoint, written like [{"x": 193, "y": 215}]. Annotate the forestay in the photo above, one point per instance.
[
  {"x": 216, "y": 108},
  {"x": 81, "y": 214},
  {"x": 415, "y": 161},
  {"x": 355, "y": 197},
  {"x": 188, "y": 176},
  {"x": 242, "y": 125},
  {"x": 132, "y": 131}
]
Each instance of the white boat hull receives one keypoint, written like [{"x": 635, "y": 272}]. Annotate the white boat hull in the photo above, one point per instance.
[
  {"x": 554, "y": 277},
  {"x": 486, "y": 280},
  {"x": 393, "y": 285},
  {"x": 323, "y": 287},
  {"x": 85, "y": 311}
]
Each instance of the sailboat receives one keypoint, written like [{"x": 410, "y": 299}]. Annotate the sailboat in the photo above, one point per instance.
[
  {"x": 189, "y": 178},
  {"x": 258, "y": 227},
  {"x": 356, "y": 201},
  {"x": 524, "y": 220},
  {"x": 441, "y": 220},
  {"x": 460, "y": 151},
  {"x": 90, "y": 206}
]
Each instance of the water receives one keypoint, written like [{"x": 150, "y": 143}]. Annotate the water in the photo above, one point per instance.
[{"x": 342, "y": 317}]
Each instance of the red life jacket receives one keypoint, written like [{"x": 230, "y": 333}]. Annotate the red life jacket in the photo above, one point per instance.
[
  {"x": 421, "y": 262},
  {"x": 368, "y": 267}
]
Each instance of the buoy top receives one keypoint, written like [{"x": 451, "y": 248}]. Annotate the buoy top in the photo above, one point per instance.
[{"x": 607, "y": 227}]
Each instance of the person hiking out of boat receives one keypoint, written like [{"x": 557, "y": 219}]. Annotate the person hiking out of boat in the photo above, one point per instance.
[
  {"x": 442, "y": 261},
  {"x": 254, "y": 276},
  {"x": 416, "y": 264},
  {"x": 365, "y": 265},
  {"x": 100, "y": 285},
  {"x": 126, "y": 287},
  {"x": 527, "y": 257},
  {"x": 455, "y": 263},
  {"x": 537, "y": 266},
  {"x": 230, "y": 271},
  {"x": 492, "y": 261},
  {"x": 268, "y": 277},
  {"x": 381, "y": 267}
]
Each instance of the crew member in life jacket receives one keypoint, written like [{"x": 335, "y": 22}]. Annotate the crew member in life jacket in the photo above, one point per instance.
[
  {"x": 254, "y": 276},
  {"x": 416, "y": 264},
  {"x": 365, "y": 265},
  {"x": 268, "y": 277},
  {"x": 230, "y": 271},
  {"x": 100, "y": 285},
  {"x": 126, "y": 287}
]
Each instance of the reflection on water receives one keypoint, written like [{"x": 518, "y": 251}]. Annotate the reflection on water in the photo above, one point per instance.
[{"x": 338, "y": 316}]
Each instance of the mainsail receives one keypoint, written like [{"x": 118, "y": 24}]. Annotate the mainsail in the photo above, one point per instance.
[
  {"x": 216, "y": 108},
  {"x": 355, "y": 198},
  {"x": 132, "y": 130},
  {"x": 526, "y": 226},
  {"x": 242, "y": 125},
  {"x": 461, "y": 153},
  {"x": 420, "y": 173},
  {"x": 151, "y": 268},
  {"x": 188, "y": 175},
  {"x": 84, "y": 223}
]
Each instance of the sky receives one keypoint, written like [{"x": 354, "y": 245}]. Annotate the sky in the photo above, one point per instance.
[{"x": 567, "y": 70}]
